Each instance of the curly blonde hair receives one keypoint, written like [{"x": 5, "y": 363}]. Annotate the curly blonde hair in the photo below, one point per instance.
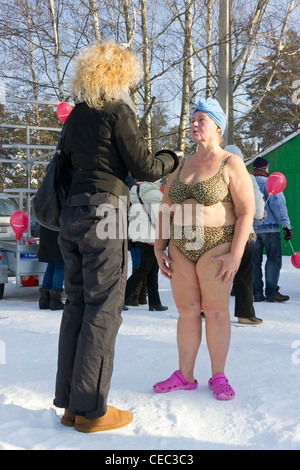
[{"x": 103, "y": 72}]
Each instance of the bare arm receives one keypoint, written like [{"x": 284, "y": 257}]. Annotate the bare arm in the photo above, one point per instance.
[
  {"x": 242, "y": 192},
  {"x": 164, "y": 218}
]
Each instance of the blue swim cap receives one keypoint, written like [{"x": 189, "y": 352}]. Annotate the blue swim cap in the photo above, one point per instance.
[{"x": 212, "y": 108}]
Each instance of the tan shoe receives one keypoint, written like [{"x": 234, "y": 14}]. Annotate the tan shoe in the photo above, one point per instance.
[
  {"x": 250, "y": 321},
  {"x": 113, "y": 419},
  {"x": 68, "y": 419}
]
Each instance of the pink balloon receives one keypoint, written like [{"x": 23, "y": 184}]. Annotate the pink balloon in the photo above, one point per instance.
[
  {"x": 19, "y": 223},
  {"x": 63, "y": 110},
  {"x": 296, "y": 259},
  {"x": 276, "y": 183}
]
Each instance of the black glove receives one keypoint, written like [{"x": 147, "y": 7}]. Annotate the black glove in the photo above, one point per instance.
[
  {"x": 169, "y": 160},
  {"x": 287, "y": 233}
]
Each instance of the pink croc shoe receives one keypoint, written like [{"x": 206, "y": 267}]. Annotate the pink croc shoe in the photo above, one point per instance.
[
  {"x": 175, "y": 382},
  {"x": 221, "y": 388}
]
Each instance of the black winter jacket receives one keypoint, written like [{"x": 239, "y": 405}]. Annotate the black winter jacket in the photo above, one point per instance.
[
  {"x": 49, "y": 251},
  {"x": 102, "y": 146}
]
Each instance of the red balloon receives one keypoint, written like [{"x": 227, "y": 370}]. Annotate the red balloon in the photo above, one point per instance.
[
  {"x": 63, "y": 110},
  {"x": 296, "y": 259},
  {"x": 19, "y": 223},
  {"x": 276, "y": 183}
]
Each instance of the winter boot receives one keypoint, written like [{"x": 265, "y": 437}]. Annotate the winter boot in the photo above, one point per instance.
[
  {"x": 133, "y": 300},
  {"x": 143, "y": 292},
  {"x": 113, "y": 419},
  {"x": 44, "y": 300},
  {"x": 68, "y": 419},
  {"x": 55, "y": 300}
]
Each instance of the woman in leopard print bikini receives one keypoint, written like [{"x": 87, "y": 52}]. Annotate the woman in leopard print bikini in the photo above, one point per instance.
[{"x": 209, "y": 207}]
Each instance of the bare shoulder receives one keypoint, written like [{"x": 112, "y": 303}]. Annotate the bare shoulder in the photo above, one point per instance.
[
  {"x": 235, "y": 171},
  {"x": 235, "y": 165},
  {"x": 234, "y": 161}
]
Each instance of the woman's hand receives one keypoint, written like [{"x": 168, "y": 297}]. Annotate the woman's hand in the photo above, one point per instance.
[
  {"x": 230, "y": 266},
  {"x": 163, "y": 262}
]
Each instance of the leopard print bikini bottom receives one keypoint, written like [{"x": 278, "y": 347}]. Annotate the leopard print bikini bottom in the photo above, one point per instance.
[{"x": 194, "y": 240}]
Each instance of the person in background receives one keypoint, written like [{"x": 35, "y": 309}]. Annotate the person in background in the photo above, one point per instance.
[
  {"x": 209, "y": 206},
  {"x": 268, "y": 238},
  {"x": 242, "y": 286},
  {"x": 53, "y": 280},
  {"x": 102, "y": 145},
  {"x": 145, "y": 199},
  {"x": 139, "y": 296}
]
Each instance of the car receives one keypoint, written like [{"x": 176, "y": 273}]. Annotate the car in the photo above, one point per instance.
[{"x": 7, "y": 207}]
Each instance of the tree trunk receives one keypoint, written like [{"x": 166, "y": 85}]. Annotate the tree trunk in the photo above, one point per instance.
[
  {"x": 146, "y": 70},
  {"x": 94, "y": 13},
  {"x": 209, "y": 50},
  {"x": 56, "y": 51},
  {"x": 188, "y": 84}
]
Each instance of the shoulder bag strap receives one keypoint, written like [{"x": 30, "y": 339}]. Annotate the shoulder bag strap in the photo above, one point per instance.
[{"x": 143, "y": 206}]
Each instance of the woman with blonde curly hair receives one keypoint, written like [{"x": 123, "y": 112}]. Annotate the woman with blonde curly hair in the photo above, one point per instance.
[
  {"x": 102, "y": 145},
  {"x": 103, "y": 72}
]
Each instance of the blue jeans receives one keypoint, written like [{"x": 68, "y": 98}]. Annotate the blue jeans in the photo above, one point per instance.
[
  {"x": 54, "y": 276},
  {"x": 272, "y": 243},
  {"x": 135, "y": 256}
]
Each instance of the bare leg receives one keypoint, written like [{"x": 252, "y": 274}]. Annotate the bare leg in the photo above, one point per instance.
[
  {"x": 215, "y": 305},
  {"x": 187, "y": 296}
]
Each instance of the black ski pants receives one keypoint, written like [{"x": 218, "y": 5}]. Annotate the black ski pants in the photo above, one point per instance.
[{"x": 95, "y": 279}]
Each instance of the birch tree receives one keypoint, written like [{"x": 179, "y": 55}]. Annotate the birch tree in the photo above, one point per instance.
[
  {"x": 209, "y": 48},
  {"x": 56, "y": 52},
  {"x": 148, "y": 101},
  {"x": 188, "y": 94},
  {"x": 94, "y": 14},
  {"x": 130, "y": 24},
  {"x": 130, "y": 21}
]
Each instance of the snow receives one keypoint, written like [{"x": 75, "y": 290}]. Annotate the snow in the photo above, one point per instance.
[{"x": 263, "y": 367}]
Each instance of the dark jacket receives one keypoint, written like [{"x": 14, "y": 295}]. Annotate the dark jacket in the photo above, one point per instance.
[
  {"x": 102, "y": 146},
  {"x": 49, "y": 251}
]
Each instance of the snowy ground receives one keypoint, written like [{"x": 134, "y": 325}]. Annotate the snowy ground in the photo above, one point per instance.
[{"x": 263, "y": 367}]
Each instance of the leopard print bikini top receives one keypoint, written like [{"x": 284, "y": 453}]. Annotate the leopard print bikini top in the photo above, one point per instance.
[{"x": 208, "y": 192}]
